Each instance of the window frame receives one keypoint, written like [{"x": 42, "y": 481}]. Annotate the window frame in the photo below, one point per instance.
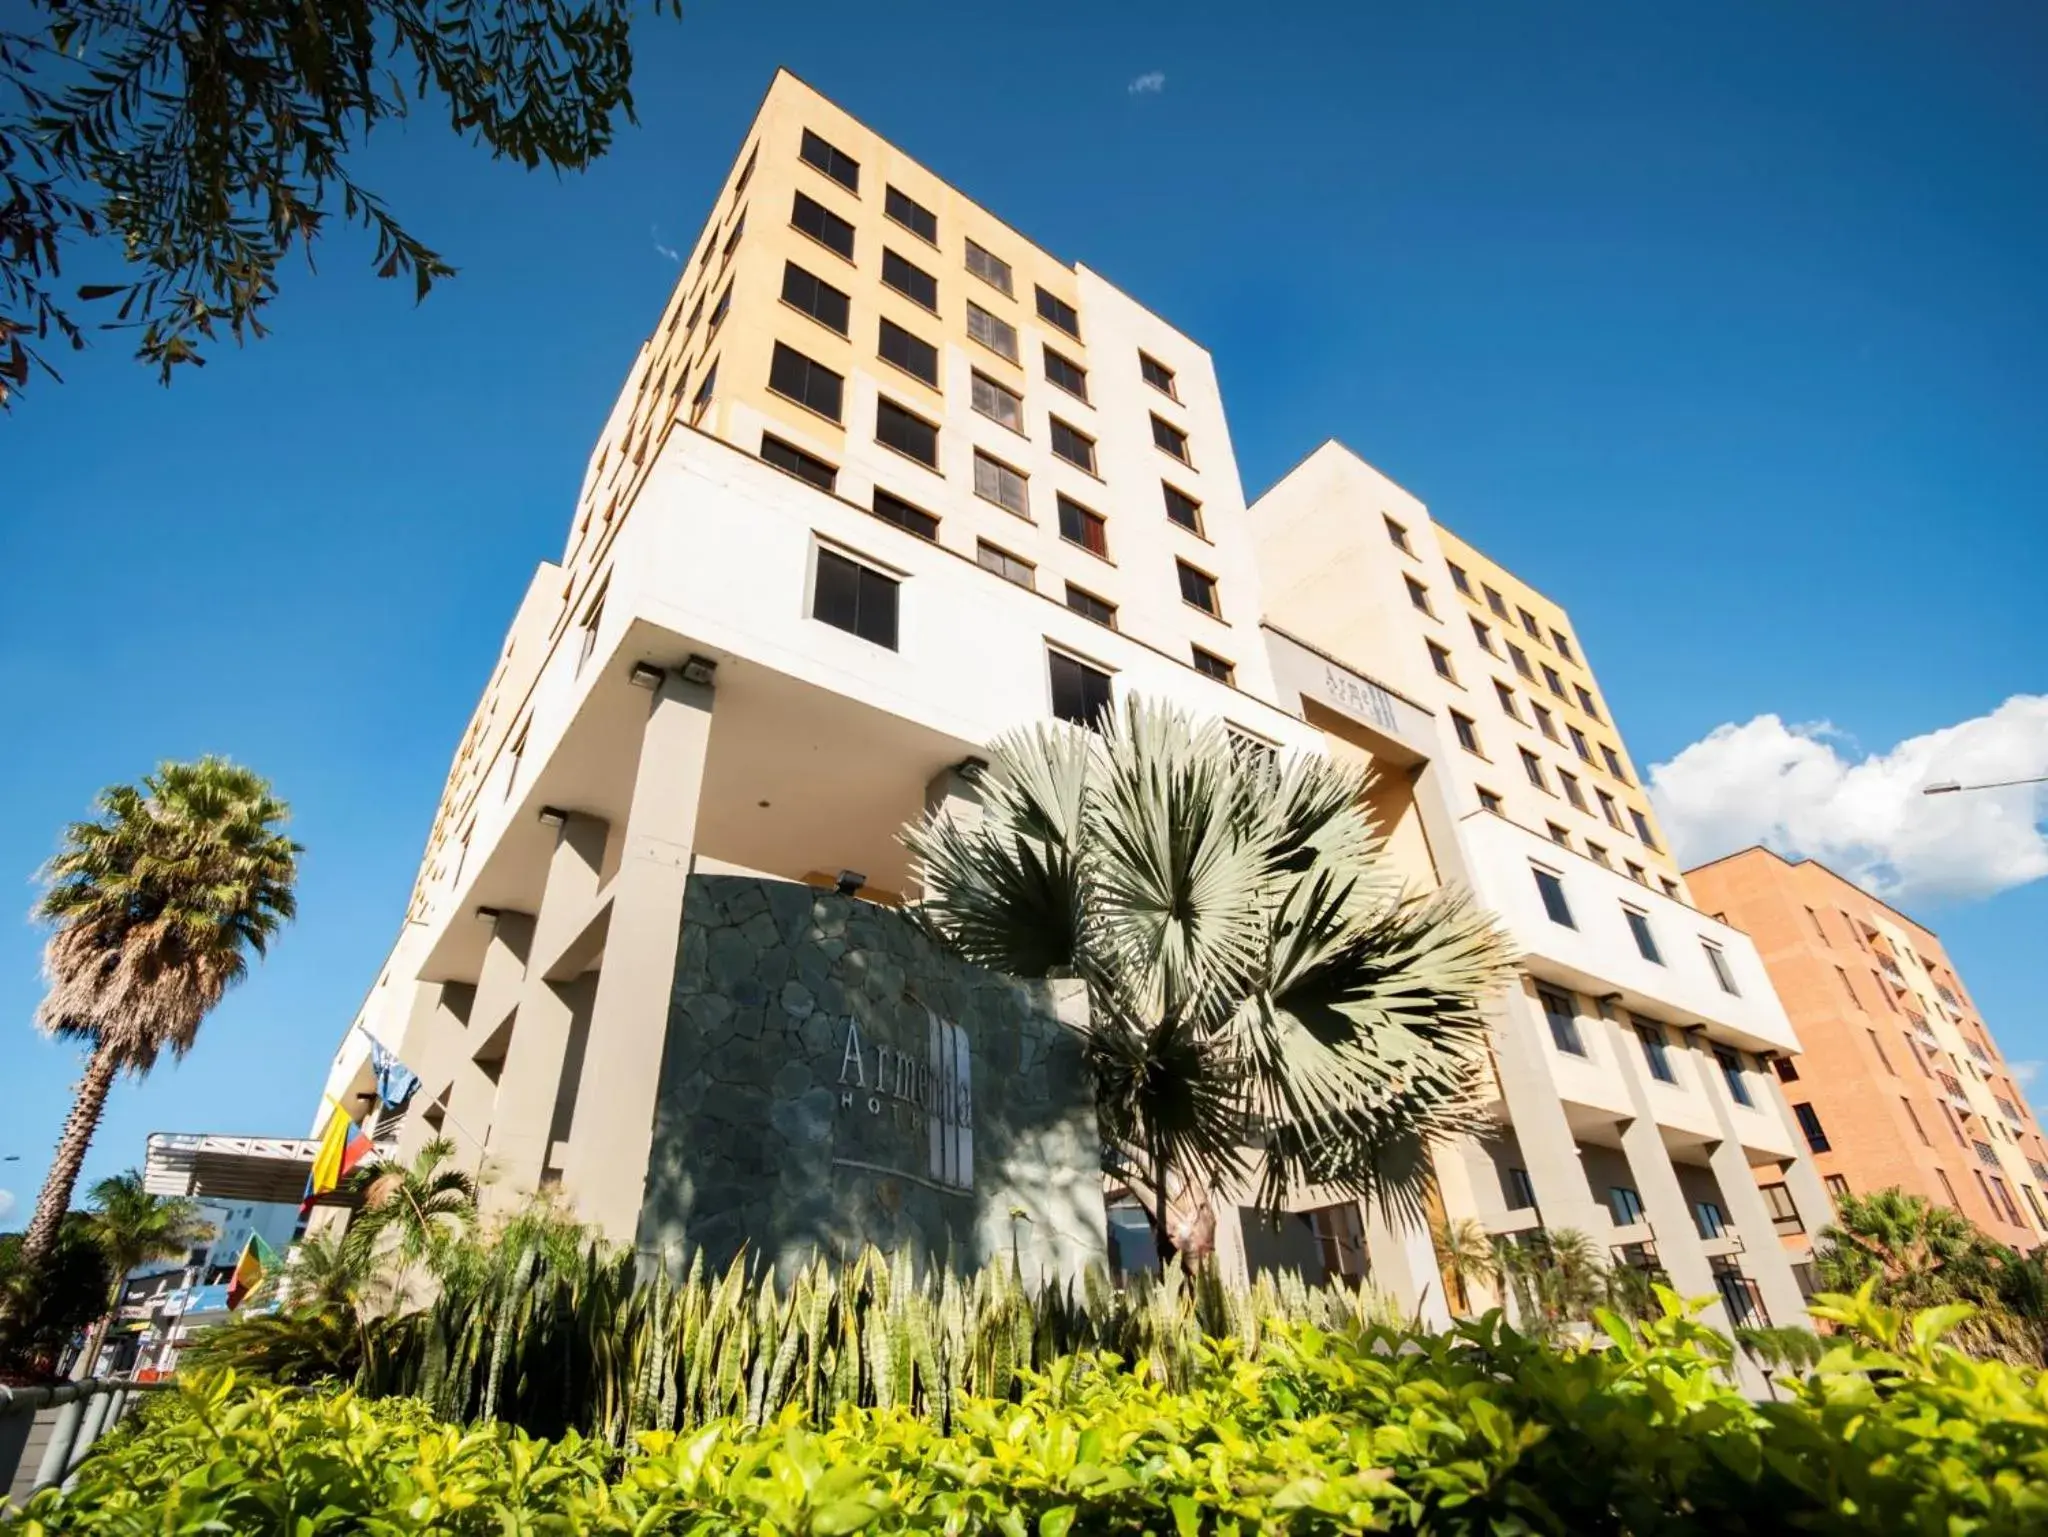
[
  {"x": 884, "y": 404},
  {"x": 1057, "y": 428},
  {"x": 1008, "y": 286},
  {"x": 866, "y": 573},
  {"x": 829, "y": 165},
  {"x": 1003, "y": 466},
  {"x": 1044, "y": 298},
  {"x": 818, "y": 285},
  {"x": 983, "y": 548},
  {"x": 1565, "y": 1034},
  {"x": 1194, "y": 506},
  {"x": 1090, "y": 602},
  {"x": 812, "y": 368},
  {"x": 1170, "y": 389},
  {"x": 931, "y": 305},
  {"x": 803, "y": 457},
  {"x": 1557, "y": 905},
  {"x": 1085, "y": 670},
  {"x": 884, "y": 325},
  {"x": 826, "y": 223},
  {"x": 976, "y": 379},
  {"x": 891, "y": 195},
  {"x": 1052, "y": 354},
  {"x": 1178, "y": 448},
  {"x": 1182, "y": 571},
  {"x": 1089, "y": 519},
  {"x": 996, "y": 327}
]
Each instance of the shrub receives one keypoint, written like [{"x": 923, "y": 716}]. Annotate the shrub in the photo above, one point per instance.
[{"x": 1359, "y": 1428}]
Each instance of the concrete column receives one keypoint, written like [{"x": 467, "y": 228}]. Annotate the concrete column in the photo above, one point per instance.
[
  {"x": 1802, "y": 1180},
  {"x": 1549, "y": 1149},
  {"x": 493, "y": 1004},
  {"x": 1763, "y": 1255},
  {"x": 605, "y": 1163},
  {"x": 1404, "y": 1264},
  {"x": 543, "y": 1018},
  {"x": 1664, "y": 1203}
]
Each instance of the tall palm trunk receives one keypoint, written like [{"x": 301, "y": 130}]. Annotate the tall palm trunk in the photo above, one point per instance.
[{"x": 89, "y": 1100}]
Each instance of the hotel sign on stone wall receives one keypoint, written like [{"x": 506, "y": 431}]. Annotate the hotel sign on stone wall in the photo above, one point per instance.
[{"x": 933, "y": 1093}]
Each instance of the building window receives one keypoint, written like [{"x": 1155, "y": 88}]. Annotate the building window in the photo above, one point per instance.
[
  {"x": 815, "y": 297},
  {"x": 1506, "y": 696},
  {"x": 1642, "y": 822},
  {"x": 1809, "y": 1123},
  {"x": 1784, "y": 1214},
  {"x": 1586, "y": 701},
  {"x": 1786, "y": 1070},
  {"x": 913, "y": 282},
  {"x": 823, "y": 226},
  {"x": 1637, "y": 873},
  {"x": 1878, "y": 1046},
  {"x": 832, "y": 160},
  {"x": 1738, "y": 1084},
  {"x": 1950, "y": 1190},
  {"x": 1626, "y": 1205},
  {"x": 1440, "y": 660},
  {"x": 1585, "y": 750},
  {"x": 999, "y": 336},
  {"x": 1646, "y": 942},
  {"x": 719, "y": 311},
  {"x": 1545, "y": 721},
  {"x": 1199, "y": 588},
  {"x": 1080, "y": 693},
  {"x": 913, "y": 354},
  {"x": 1613, "y": 761},
  {"x": 893, "y": 509},
  {"x": 1211, "y": 665},
  {"x": 1850, "y": 988},
  {"x": 1073, "y": 445},
  {"x": 1010, "y": 568},
  {"x": 1533, "y": 767},
  {"x": 1182, "y": 508},
  {"x": 1089, "y": 606},
  {"x": 1599, "y": 856},
  {"x": 1516, "y": 1188},
  {"x": 746, "y": 173},
  {"x": 1563, "y": 1016},
  {"x": 1559, "y": 834},
  {"x": 1855, "y": 930},
  {"x": 1608, "y": 809},
  {"x": 1655, "y": 1051},
  {"x": 1550, "y": 886},
  {"x": 732, "y": 240},
  {"x": 1419, "y": 596},
  {"x": 906, "y": 432},
  {"x": 806, "y": 382},
  {"x": 1058, "y": 312},
  {"x": 997, "y": 402},
  {"x": 1459, "y": 579},
  {"x": 1529, "y": 624},
  {"x": 1521, "y": 660},
  {"x": 912, "y": 215},
  {"x": 1495, "y": 602},
  {"x": 1836, "y": 1185},
  {"x": 1158, "y": 375},
  {"x": 1912, "y": 1116},
  {"x": 787, "y": 456},
  {"x": 990, "y": 268},
  {"x": 855, "y": 598},
  {"x": 997, "y": 482},
  {"x": 1067, "y": 374},
  {"x": 1468, "y": 734},
  {"x": 701, "y": 401},
  {"x": 1552, "y": 681},
  {"x": 1484, "y": 636},
  {"x": 1398, "y": 535},
  {"x": 1814, "y": 918},
  {"x": 1488, "y": 800},
  {"x": 1717, "y": 961},
  {"x": 1572, "y": 792},
  {"x": 1169, "y": 437},
  {"x": 1670, "y": 888},
  {"x": 2012, "y": 1212},
  {"x": 1080, "y": 526}
]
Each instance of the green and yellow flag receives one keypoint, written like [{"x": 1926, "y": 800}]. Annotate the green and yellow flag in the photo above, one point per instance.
[{"x": 257, "y": 1260}]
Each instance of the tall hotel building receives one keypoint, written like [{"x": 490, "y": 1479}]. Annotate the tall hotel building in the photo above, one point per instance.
[
  {"x": 1636, "y": 1101},
  {"x": 1900, "y": 1083}
]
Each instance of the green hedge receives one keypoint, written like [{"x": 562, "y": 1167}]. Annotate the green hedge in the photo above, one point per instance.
[{"x": 1475, "y": 1431}]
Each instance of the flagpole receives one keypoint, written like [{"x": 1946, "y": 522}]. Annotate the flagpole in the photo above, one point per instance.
[{"x": 448, "y": 1115}]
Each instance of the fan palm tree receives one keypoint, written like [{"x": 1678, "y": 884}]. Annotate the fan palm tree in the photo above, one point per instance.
[
  {"x": 1922, "y": 1255},
  {"x": 133, "y": 1227},
  {"x": 1465, "y": 1253},
  {"x": 156, "y": 906},
  {"x": 1257, "y": 973}
]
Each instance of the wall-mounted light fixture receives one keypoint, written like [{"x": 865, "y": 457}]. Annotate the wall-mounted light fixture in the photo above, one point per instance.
[
  {"x": 645, "y": 675},
  {"x": 848, "y": 882},
  {"x": 487, "y": 915},
  {"x": 553, "y": 816},
  {"x": 700, "y": 670}
]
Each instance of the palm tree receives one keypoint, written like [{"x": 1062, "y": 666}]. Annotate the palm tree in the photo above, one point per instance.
[
  {"x": 333, "y": 1301},
  {"x": 133, "y": 1227},
  {"x": 412, "y": 1213},
  {"x": 156, "y": 906},
  {"x": 1257, "y": 973},
  {"x": 1465, "y": 1253}
]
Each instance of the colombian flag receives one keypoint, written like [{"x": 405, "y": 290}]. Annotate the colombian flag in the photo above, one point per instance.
[
  {"x": 257, "y": 1258},
  {"x": 342, "y": 1147}
]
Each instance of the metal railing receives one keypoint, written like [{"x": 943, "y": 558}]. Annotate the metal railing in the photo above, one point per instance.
[{"x": 85, "y": 1411}]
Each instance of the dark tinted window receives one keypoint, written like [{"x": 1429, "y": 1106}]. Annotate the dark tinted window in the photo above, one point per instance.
[
  {"x": 913, "y": 282},
  {"x": 896, "y": 510},
  {"x": 911, "y": 214},
  {"x": 1182, "y": 508},
  {"x": 815, "y": 297},
  {"x": 1170, "y": 438},
  {"x": 1564, "y": 1022},
  {"x": 1066, "y": 373},
  {"x": 1080, "y": 693},
  {"x": 1157, "y": 374},
  {"x": 855, "y": 598},
  {"x": 832, "y": 160},
  {"x": 1059, "y": 312},
  {"x": 1197, "y": 587},
  {"x": 1088, "y": 606},
  {"x": 912, "y": 354},
  {"x": 798, "y": 463},
  {"x": 1646, "y": 942},
  {"x": 1214, "y": 665},
  {"x": 803, "y": 380},
  {"x": 823, "y": 225},
  {"x": 1073, "y": 445},
  {"x": 1552, "y": 891},
  {"x": 906, "y": 432},
  {"x": 1083, "y": 527}
]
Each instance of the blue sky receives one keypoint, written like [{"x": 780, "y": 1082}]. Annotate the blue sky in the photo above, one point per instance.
[{"x": 1725, "y": 328}]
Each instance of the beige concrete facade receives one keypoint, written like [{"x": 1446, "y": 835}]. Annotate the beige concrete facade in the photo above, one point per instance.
[
  {"x": 1635, "y": 1103},
  {"x": 1900, "y": 1082}
]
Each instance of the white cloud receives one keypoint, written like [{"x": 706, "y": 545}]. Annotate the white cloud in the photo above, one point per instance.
[
  {"x": 2024, "y": 1073},
  {"x": 6, "y": 1203},
  {"x": 674, "y": 256},
  {"x": 1151, "y": 83},
  {"x": 1800, "y": 790}
]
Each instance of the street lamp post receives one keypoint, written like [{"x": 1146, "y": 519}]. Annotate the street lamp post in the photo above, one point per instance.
[{"x": 1950, "y": 787}]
